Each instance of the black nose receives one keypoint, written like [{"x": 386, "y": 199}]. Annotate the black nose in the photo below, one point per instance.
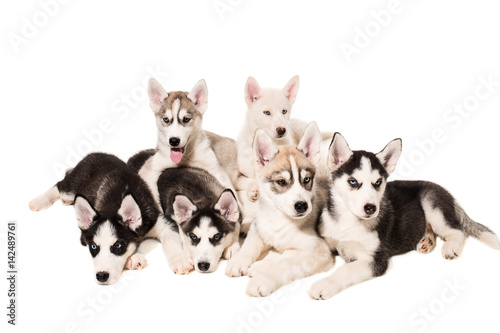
[
  {"x": 203, "y": 266},
  {"x": 281, "y": 131},
  {"x": 174, "y": 142},
  {"x": 370, "y": 209},
  {"x": 301, "y": 206},
  {"x": 102, "y": 276}
]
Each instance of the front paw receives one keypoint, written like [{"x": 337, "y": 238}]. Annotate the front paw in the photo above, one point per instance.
[
  {"x": 262, "y": 285},
  {"x": 322, "y": 290},
  {"x": 231, "y": 251},
  {"x": 237, "y": 266},
  {"x": 259, "y": 267},
  {"x": 41, "y": 202},
  {"x": 181, "y": 264},
  {"x": 136, "y": 261}
]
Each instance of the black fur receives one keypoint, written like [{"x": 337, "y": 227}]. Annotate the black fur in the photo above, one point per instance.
[
  {"x": 104, "y": 180},
  {"x": 137, "y": 161}
]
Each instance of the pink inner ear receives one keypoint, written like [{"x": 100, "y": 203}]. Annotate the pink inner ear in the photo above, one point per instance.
[{"x": 253, "y": 91}]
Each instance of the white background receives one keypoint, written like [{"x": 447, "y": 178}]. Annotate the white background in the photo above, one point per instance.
[{"x": 87, "y": 57}]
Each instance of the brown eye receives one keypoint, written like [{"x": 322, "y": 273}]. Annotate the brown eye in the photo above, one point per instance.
[
  {"x": 281, "y": 182},
  {"x": 186, "y": 120}
]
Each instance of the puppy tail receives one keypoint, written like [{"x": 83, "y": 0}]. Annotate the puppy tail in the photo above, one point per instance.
[{"x": 477, "y": 230}]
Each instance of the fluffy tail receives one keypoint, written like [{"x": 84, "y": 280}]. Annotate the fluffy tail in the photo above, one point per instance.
[{"x": 477, "y": 230}]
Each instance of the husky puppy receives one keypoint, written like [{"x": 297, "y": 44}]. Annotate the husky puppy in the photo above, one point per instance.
[
  {"x": 182, "y": 142},
  {"x": 205, "y": 213},
  {"x": 368, "y": 220},
  {"x": 291, "y": 200},
  {"x": 114, "y": 210}
]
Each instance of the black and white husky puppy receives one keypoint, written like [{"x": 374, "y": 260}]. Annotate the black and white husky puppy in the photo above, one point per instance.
[
  {"x": 204, "y": 212},
  {"x": 368, "y": 220},
  {"x": 115, "y": 211}
]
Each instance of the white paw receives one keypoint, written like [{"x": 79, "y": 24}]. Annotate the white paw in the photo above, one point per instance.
[
  {"x": 451, "y": 250},
  {"x": 231, "y": 250},
  {"x": 41, "y": 202},
  {"x": 181, "y": 264},
  {"x": 136, "y": 261},
  {"x": 322, "y": 289},
  {"x": 259, "y": 267},
  {"x": 237, "y": 266},
  {"x": 262, "y": 285}
]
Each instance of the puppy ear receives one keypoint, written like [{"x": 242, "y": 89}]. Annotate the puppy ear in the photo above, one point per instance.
[
  {"x": 310, "y": 143},
  {"x": 264, "y": 149},
  {"x": 156, "y": 94},
  {"x": 291, "y": 89},
  {"x": 228, "y": 206},
  {"x": 183, "y": 209},
  {"x": 85, "y": 214},
  {"x": 130, "y": 213},
  {"x": 199, "y": 96},
  {"x": 338, "y": 153},
  {"x": 389, "y": 156},
  {"x": 252, "y": 91}
]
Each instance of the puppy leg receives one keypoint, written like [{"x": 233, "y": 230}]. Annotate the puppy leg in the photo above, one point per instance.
[
  {"x": 232, "y": 249},
  {"x": 178, "y": 260},
  {"x": 138, "y": 261},
  {"x": 273, "y": 273},
  {"x": 428, "y": 243},
  {"x": 344, "y": 277},
  {"x": 45, "y": 200},
  {"x": 248, "y": 254}
]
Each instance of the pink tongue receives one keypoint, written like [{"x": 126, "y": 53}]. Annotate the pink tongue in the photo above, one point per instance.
[{"x": 176, "y": 155}]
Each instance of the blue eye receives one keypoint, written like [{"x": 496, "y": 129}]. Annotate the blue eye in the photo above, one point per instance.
[
  {"x": 166, "y": 120},
  {"x": 217, "y": 237},
  {"x": 352, "y": 182},
  {"x": 267, "y": 113},
  {"x": 307, "y": 180},
  {"x": 118, "y": 245},
  {"x": 285, "y": 111},
  {"x": 378, "y": 182},
  {"x": 93, "y": 247},
  {"x": 193, "y": 237}
]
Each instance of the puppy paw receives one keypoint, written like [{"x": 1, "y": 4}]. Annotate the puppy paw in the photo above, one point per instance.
[
  {"x": 41, "y": 202},
  {"x": 258, "y": 267},
  {"x": 262, "y": 285},
  {"x": 322, "y": 290},
  {"x": 237, "y": 266},
  {"x": 181, "y": 264},
  {"x": 231, "y": 251},
  {"x": 253, "y": 195},
  {"x": 426, "y": 245},
  {"x": 136, "y": 261},
  {"x": 451, "y": 250}
]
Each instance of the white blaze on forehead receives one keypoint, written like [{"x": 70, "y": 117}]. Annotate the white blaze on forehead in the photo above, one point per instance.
[
  {"x": 175, "y": 107},
  {"x": 105, "y": 235},
  {"x": 295, "y": 168},
  {"x": 285, "y": 174},
  {"x": 366, "y": 174},
  {"x": 205, "y": 230}
]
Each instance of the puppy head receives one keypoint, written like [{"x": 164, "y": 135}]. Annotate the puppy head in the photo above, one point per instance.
[
  {"x": 111, "y": 240},
  {"x": 286, "y": 174},
  {"x": 360, "y": 177},
  {"x": 269, "y": 108},
  {"x": 207, "y": 231},
  {"x": 178, "y": 116}
]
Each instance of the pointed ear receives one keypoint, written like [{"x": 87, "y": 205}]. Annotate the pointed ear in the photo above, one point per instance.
[
  {"x": 291, "y": 89},
  {"x": 389, "y": 156},
  {"x": 252, "y": 91},
  {"x": 130, "y": 213},
  {"x": 228, "y": 206},
  {"x": 156, "y": 94},
  {"x": 264, "y": 149},
  {"x": 183, "y": 209},
  {"x": 310, "y": 143},
  {"x": 338, "y": 153},
  {"x": 85, "y": 214},
  {"x": 199, "y": 96}
]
